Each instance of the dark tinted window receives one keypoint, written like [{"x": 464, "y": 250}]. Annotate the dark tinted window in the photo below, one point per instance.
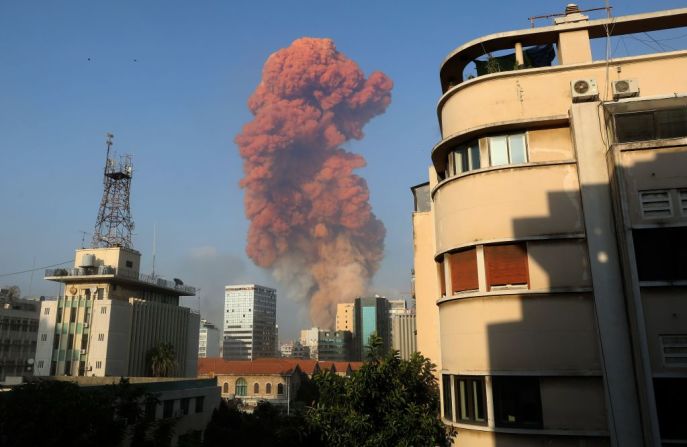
[
  {"x": 651, "y": 125},
  {"x": 446, "y": 391},
  {"x": 671, "y": 395},
  {"x": 661, "y": 254},
  {"x": 671, "y": 123},
  {"x": 517, "y": 402}
]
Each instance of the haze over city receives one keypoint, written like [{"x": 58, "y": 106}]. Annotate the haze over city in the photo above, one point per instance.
[{"x": 171, "y": 81}]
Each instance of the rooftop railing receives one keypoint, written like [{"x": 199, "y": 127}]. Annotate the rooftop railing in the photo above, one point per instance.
[{"x": 108, "y": 270}]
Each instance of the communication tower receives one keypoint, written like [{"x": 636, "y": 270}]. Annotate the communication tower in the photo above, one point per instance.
[{"x": 114, "y": 225}]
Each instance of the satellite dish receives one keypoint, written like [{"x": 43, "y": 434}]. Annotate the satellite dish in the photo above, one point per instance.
[{"x": 178, "y": 282}]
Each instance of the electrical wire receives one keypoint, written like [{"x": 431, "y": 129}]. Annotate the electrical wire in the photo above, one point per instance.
[{"x": 34, "y": 269}]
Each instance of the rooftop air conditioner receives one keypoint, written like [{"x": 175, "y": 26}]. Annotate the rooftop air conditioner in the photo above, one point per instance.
[
  {"x": 584, "y": 90},
  {"x": 625, "y": 88}
]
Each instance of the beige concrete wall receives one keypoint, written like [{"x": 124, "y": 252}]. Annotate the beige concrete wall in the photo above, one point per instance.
[
  {"x": 515, "y": 202},
  {"x": 665, "y": 313},
  {"x": 553, "y": 144},
  {"x": 558, "y": 263},
  {"x": 113, "y": 257},
  {"x": 519, "y": 333},
  {"x": 46, "y": 325},
  {"x": 113, "y": 351},
  {"x": 426, "y": 287},
  {"x": 539, "y": 93},
  {"x": 573, "y": 403},
  {"x": 649, "y": 169},
  {"x": 574, "y": 47},
  {"x": 345, "y": 320}
]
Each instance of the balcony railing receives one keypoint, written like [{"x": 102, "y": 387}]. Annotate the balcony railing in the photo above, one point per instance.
[{"x": 108, "y": 270}]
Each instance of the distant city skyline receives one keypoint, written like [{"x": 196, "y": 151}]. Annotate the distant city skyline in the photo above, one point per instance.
[{"x": 171, "y": 82}]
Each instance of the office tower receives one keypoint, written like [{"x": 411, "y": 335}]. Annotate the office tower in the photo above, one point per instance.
[
  {"x": 18, "y": 329},
  {"x": 345, "y": 318},
  {"x": 250, "y": 322},
  {"x": 334, "y": 345},
  {"x": 371, "y": 317},
  {"x": 550, "y": 238},
  {"x": 208, "y": 340}
]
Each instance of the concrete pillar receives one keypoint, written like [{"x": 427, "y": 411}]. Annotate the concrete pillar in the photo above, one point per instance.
[
  {"x": 519, "y": 56},
  {"x": 622, "y": 401}
]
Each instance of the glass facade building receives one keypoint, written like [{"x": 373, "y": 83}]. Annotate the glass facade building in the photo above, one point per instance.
[{"x": 250, "y": 322}]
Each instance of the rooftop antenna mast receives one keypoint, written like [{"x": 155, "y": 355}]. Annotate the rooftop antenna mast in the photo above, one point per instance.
[{"x": 114, "y": 224}]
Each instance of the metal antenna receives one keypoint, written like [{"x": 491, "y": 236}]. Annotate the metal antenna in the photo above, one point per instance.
[
  {"x": 114, "y": 225},
  {"x": 154, "y": 247},
  {"x": 83, "y": 238}
]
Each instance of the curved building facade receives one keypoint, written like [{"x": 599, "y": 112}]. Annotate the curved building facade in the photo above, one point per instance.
[{"x": 550, "y": 272}]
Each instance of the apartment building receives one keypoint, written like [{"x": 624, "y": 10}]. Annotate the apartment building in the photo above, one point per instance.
[
  {"x": 550, "y": 270},
  {"x": 208, "y": 340},
  {"x": 18, "y": 328}
]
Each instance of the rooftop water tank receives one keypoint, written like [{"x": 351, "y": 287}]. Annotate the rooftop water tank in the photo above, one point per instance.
[{"x": 88, "y": 260}]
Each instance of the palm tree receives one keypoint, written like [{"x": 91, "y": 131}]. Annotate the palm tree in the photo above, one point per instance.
[{"x": 162, "y": 360}]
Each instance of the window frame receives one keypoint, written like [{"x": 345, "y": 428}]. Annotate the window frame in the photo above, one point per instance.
[
  {"x": 468, "y": 151},
  {"x": 498, "y": 389},
  {"x": 488, "y": 260},
  {"x": 447, "y": 397},
  {"x": 509, "y": 148},
  {"x": 657, "y": 130},
  {"x": 469, "y": 400}
]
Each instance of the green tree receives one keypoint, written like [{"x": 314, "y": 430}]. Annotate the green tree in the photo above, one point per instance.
[
  {"x": 162, "y": 360},
  {"x": 388, "y": 402}
]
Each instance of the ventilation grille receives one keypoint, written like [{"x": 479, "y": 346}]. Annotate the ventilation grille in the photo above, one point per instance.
[
  {"x": 683, "y": 201},
  {"x": 674, "y": 348},
  {"x": 656, "y": 203}
]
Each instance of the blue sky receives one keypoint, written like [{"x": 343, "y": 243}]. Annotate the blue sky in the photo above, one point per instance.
[{"x": 171, "y": 79}]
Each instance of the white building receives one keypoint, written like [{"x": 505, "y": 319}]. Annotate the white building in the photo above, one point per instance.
[
  {"x": 208, "y": 340},
  {"x": 110, "y": 316},
  {"x": 250, "y": 322},
  {"x": 311, "y": 338}
]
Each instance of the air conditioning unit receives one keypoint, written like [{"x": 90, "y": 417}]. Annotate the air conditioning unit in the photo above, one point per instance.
[
  {"x": 583, "y": 90},
  {"x": 625, "y": 88},
  {"x": 83, "y": 351}
]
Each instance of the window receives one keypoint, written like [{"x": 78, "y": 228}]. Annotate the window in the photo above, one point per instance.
[
  {"x": 660, "y": 253},
  {"x": 446, "y": 392},
  {"x": 280, "y": 388},
  {"x": 58, "y": 317},
  {"x": 517, "y": 402},
  {"x": 651, "y": 125},
  {"x": 150, "y": 408},
  {"x": 167, "y": 408},
  {"x": 442, "y": 276},
  {"x": 256, "y": 388},
  {"x": 225, "y": 388},
  {"x": 674, "y": 348},
  {"x": 72, "y": 315},
  {"x": 241, "y": 388},
  {"x": 683, "y": 201},
  {"x": 268, "y": 388},
  {"x": 44, "y": 337},
  {"x": 40, "y": 364},
  {"x": 671, "y": 393},
  {"x": 46, "y": 311},
  {"x": 506, "y": 265},
  {"x": 470, "y": 399},
  {"x": 56, "y": 341},
  {"x": 199, "y": 404},
  {"x": 129, "y": 264},
  {"x": 464, "y": 270},
  {"x": 98, "y": 364},
  {"x": 101, "y": 337},
  {"x": 464, "y": 158},
  {"x": 508, "y": 149},
  {"x": 184, "y": 405},
  {"x": 103, "y": 310},
  {"x": 655, "y": 203}
]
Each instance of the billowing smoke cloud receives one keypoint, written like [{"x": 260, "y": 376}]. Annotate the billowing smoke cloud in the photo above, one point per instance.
[{"x": 311, "y": 221}]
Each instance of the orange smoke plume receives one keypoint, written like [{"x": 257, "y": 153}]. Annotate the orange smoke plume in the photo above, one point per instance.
[{"x": 311, "y": 220}]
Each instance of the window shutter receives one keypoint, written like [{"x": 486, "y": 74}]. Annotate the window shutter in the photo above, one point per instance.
[
  {"x": 464, "y": 270},
  {"x": 506, "y": 264}
]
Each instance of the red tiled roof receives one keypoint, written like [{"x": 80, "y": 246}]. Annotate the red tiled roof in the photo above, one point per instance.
[{"x": 214, "y": 366}]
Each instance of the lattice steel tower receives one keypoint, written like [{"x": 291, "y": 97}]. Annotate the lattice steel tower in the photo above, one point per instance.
[{"x": 114, "y": 224}]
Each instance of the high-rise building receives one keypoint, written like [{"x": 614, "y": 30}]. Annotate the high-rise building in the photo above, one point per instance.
[
  {"x": 250, "y": 322},
  {"x": 18, "y": 329},
  {"x": 550, "y": 239},
  {"x": 345, "y": 317},
  {"x": 371, "y": 317},
  {"x": 403, "y": 331},
  {"x": 334, "y": 345},
  {"x": 310, "y": 338},
  {"x": 110, "y": 316},
  {"x": 208, "y": 340}
]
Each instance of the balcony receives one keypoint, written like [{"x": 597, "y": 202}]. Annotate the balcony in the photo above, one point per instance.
[{"x": 107, "y": 271}]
